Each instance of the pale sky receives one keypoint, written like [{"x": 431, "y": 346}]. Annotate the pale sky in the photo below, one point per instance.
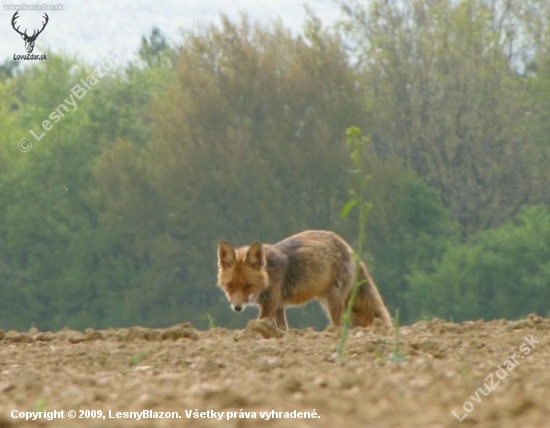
[{"x": 93, "y": 29}]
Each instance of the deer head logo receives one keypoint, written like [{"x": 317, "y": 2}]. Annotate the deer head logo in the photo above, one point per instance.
[{"x": 29, "y": 40}]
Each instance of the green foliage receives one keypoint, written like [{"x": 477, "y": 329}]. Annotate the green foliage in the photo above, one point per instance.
[
  {"x": 40, "y": 405},
  {"x": 155, "y": 51},
  {"x": 397, "y": 356},
  {"x": 65, "y": 269},
  {"x": 501, "y": 273},
  {"x": 409, "y": 227},
  {"x": 356, "y": 143},
  {"x": 211, "y": 322},
  {"x": 414, "y": 233},
  {"x": 136, "y": 360},
  {"x": 445, "y": 96},
  {"x": 112, "y": 218}
]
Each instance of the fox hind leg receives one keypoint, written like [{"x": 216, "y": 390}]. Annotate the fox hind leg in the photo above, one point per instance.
[{"x": 335, "y": 307}]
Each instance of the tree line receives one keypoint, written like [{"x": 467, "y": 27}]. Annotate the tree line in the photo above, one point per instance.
[{"x": 237, "y": 132}]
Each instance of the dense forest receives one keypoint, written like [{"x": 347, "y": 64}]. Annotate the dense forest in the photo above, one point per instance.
[{"x": 238, "y": 132}]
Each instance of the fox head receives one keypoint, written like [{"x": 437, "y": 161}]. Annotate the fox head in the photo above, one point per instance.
[
  {"x": 362, "y": 314},
  {"x": 242, "y": 275}
]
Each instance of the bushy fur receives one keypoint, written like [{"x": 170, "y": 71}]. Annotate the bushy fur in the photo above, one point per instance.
[{"x": 314, "y": 264}]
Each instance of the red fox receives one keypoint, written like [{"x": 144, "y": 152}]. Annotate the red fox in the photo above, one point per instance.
[{"x": 314, "y": 264}]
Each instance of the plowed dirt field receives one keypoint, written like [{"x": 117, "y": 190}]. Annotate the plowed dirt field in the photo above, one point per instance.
[{"x": 437, "y": 368}]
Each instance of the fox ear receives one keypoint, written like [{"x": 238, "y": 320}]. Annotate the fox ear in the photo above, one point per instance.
[
  {"x": 226, "y": 255},
  {"x": 255, "y": 255}
]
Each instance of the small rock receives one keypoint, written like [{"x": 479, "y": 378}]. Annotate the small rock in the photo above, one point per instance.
[
  {"x": 44, "y": 336},
  {"x": 420, "y": 325},
  {"x": 348, "y": 381},
  {"x": 269, "y": 363},
  {"x": 92, "y": 334},
  {"x": 290, "y": 384},
  {"x": 6, "y": 386},
  {"x": 421, "y": 382},
  {"x": 535, "y": 318},
  {"x": 321, "y": 382},
  {"x": 147, "y": 400},
  {"x": 425, "y": 345},
  {"x": 75, "y": 337},
  {"x": 143, "y": 368},
  {"x": 516, "y": 325}
]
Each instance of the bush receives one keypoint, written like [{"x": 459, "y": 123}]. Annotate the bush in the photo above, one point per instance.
[{"x": 500, "y": 273}]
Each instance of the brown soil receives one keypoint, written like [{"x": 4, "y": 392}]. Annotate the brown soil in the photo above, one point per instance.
[{"x": 258, "y": 369}]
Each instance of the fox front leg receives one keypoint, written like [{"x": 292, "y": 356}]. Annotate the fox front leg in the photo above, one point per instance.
[
  {"x": 268, "y": 311},
  {"x": 280, "y": 318}
]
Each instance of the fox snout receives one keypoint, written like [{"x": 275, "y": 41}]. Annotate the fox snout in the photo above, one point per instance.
[{"x": 239, "y": 302}]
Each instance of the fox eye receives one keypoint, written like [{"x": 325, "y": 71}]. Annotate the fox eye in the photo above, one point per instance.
[{"x": 248, "y": 286}]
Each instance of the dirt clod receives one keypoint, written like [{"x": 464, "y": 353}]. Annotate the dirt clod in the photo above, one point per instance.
[
  {"x": 16, "y": 337},
  {"x": 180, "y": 331},
  {"x": 265, "y": 327}
]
